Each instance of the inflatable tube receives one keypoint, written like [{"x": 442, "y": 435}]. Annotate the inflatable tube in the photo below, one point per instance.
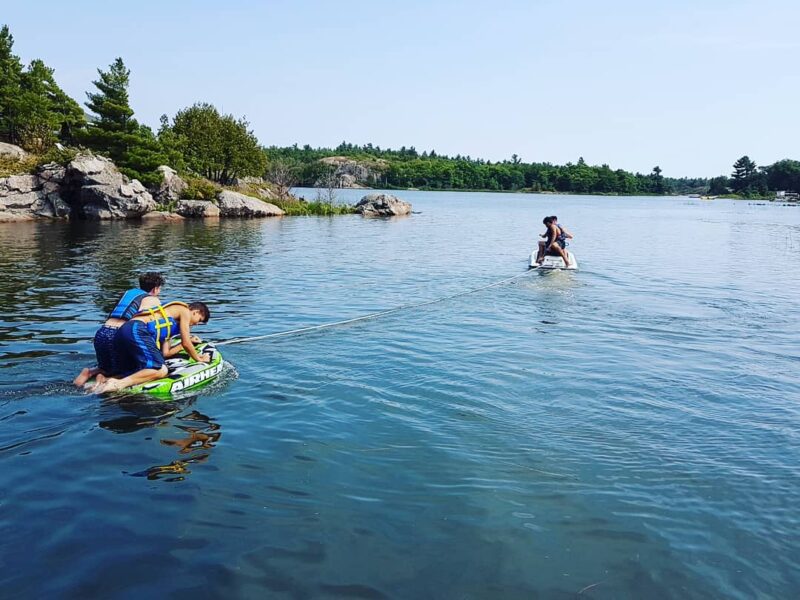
[{"x": 184, "y": 374}]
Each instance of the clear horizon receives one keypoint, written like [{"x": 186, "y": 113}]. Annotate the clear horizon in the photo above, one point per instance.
[{"x": 689, "y": 87}]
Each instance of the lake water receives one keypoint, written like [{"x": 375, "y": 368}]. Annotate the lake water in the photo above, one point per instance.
[{"x": 630, "y": 430}]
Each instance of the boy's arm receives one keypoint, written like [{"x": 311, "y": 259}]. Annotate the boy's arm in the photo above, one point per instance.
[
  {"x": 566, "y": 233},
  {"x": 168, "y": 350},
  {"x": 184, "y": 317}
]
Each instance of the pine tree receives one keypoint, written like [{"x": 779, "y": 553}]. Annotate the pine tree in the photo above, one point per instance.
[
  {"x": 34, "y": 111},
  {"x": 115, "y": 133},
  {"x": 114, "y": 129},
  {"x": 44, "y": 112},
  {"x": 744, "y": 171},
  {"x": 10, "y": 78}
]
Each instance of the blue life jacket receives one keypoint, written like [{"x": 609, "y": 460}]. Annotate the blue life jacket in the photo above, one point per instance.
[
  {"x": 162, "y": 329},
  {"x": 161, "y": 326},
  {"x": 128, "y": 305}
]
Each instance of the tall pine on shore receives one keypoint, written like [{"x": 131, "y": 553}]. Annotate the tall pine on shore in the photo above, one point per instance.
[
  {"x": 115, "y": 133},
  {"x": 34, "y": 111},
  {"x": 10, "y": 86}
]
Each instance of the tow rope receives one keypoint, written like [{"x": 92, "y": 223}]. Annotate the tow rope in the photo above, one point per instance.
[{"x": 369, "y": 316}]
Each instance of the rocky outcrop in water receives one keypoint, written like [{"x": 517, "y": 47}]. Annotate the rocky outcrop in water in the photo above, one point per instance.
[
  {"x": 382, "y": 205},
  {"x": 91, "y": 187},
  {"x": 161, "y": 215},
  {"x": 26, "y": 197},
  {"x": 234, "y": 204},
  {"x": 197, "y": 209},
  {"x": 95, "y": 189}
]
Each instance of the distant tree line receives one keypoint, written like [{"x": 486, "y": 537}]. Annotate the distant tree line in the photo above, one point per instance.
[{"x": 407, "y": 167}]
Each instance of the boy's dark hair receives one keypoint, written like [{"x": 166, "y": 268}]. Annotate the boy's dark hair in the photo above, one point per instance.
[
  {"x": 201, "y": 306},
  {"x": 547, "y": 220},
  {"x": 554, "y": 218},
  {"x": 150, "y": 280}
]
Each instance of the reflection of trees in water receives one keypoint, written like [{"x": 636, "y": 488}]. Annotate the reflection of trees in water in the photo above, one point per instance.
[
  {"x": 45, "y": 265},
  {"x": 201, "y": 433}
]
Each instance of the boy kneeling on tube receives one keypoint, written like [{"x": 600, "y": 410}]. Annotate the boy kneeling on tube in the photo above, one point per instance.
[{"x": 143, "y": 343}]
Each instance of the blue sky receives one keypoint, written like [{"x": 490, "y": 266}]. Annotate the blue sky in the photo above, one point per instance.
[{"x": 690, "y": 86}]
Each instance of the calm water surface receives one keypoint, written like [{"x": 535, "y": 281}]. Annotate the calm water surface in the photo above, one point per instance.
[{"x": 631, "y": 430}]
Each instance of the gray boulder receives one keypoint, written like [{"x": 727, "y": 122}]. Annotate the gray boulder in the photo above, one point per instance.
[
  {"x": 88, "y": 169},
  {"x": 234, "y": 204},
  {"x": 52, "y": 173},
  {"x": 20, "y": 184},
  {"x": 25, "y": 197},
  {"x": 161, "y": 215},
  {"x": 114, "y": 202},
  {"x": 382, "y": 205},
  {"x": 12, "y": 151},
  {"x": 172, "y": 186},
  {"x": 97, "y": 190},
  {"x": 197, "y": 209}
]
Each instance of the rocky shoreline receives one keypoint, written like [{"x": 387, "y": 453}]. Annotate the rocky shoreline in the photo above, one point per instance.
[{"x": 91, "y": 187}]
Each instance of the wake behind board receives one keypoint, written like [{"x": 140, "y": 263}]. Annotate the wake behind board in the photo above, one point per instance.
[
  {"x": 554, "y": 263},
  {"x": 184, "y": 374}
]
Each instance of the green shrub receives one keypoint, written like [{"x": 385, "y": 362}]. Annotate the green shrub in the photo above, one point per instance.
[
  {"x": 29, "y": 164},
  {"x": 294, "y": 207},
  {"x": 168, "y": 207},
  {"x": 12, "y": 166},
  {"x": 199, "y": 188},
  {"x": 54, "y": 155}
]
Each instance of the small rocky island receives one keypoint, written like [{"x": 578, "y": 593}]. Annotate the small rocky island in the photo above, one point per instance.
[{"x": 382, "y": 205}]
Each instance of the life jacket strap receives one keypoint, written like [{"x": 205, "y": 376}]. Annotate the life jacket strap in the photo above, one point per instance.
[{"x": 159, "y": 325}]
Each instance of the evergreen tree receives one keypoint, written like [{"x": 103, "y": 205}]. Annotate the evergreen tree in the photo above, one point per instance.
[
  {"x": 743, "y": 176},
  {"x": 10, "y": 81},
  {"x": 718, "y": 186},
  {"x": 44, "y": 112},
  {"x": 658, "y": 186},
  {"x": 115, "y": 133},
  {"x": 114, "y": 128},
  {"x": 34, "y": 111}
]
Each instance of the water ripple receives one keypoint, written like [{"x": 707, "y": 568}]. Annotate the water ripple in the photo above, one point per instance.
[{"x": 629, "y": 430}]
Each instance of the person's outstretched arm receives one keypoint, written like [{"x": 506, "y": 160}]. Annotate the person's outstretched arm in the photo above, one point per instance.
[
  {"x": 168, "y": 350},
  {"x": 184, "y": 317}
]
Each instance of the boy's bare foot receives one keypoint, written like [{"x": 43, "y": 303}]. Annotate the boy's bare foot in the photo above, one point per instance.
[
  {"x": 109, "y": 385},
  {"x": 83, "y": 377}
]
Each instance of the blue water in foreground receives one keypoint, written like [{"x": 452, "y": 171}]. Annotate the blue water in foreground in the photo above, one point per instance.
[{"x": 631, "y": 430}]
